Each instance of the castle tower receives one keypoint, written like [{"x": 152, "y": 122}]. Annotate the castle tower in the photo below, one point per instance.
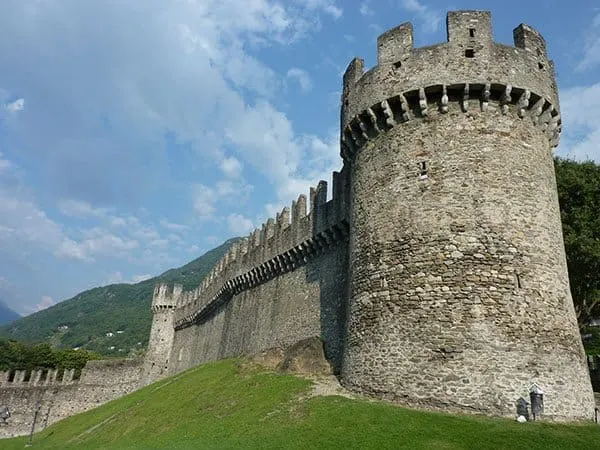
[
  {"x": 164, "y": 302},
  {"x": 459, "y": 294}
]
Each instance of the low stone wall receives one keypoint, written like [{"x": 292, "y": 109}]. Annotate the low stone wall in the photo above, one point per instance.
[{"x": 60, "y": 397}]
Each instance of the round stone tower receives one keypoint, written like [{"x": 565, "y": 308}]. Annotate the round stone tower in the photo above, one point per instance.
[{"x": 459, "y": 294}]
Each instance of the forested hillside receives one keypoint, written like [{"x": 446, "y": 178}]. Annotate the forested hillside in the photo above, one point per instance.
[{"x": 111, "y": 320}]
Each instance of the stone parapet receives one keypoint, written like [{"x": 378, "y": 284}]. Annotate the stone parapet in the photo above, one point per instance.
[{"x": 470, "y": 57}]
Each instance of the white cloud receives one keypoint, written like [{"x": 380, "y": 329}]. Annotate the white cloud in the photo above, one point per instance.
[
  {"x": 301, "y": 77},
  {"x": 4, "y": 163},
  {"x": 81, "y": 209},
  {"x": 204, "y": 201},
  {"x": 580, "y": 110},
  {"x": 159, "y": 243},
  {"x": 231, "y": 167},
  {"x": 124, "y": 118},
  {"x": 16, "y": 106},
  {"x": 591, "y": 56},
  {"x": 171, "y": 226},
  {"x": 290, "y": 162},
  {"x": 46, "y": 302},
  {"x": 144, "y": 233},
  {"x": 327, "y": 6},
  {"x": 117, "y": 222},
  {"x": 365, "y": 9},
  {"x": 98, "y": 241},
  {"x": 71, "y": 249},
  {"x": 114, "y": 278},
  {"x": 118, "y": 278},
  {"x": 430, "y": 18},
  {"x": 175, "y": 238},
  {"x": 23, "y": 225},
  {"x": 239, "y": 225},
  {"x": 193, "y": 249},
  {"x": 205, "y": 198},
  {"x": 142, "y": 277}
]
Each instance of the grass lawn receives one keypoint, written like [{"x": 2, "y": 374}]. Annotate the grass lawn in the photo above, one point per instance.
[{"x": 233, "y": 404}]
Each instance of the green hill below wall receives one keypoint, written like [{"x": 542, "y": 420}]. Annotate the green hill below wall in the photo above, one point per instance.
[
  {"x": 234, "y": 404},
  {"x": 122, "y": 309}
]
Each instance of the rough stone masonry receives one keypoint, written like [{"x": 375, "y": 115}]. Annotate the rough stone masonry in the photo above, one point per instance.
[{"x": 436, "y": 274}]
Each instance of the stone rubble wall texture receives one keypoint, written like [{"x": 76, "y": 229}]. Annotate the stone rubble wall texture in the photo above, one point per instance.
[
  {"x": 459, "y": 294},
  {"x": 99, "y": 382}
]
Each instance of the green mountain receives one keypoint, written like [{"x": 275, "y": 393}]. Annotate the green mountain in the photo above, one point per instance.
[
  {"x": 111, "y": 320},
  {"x": 234, "y": 404}
]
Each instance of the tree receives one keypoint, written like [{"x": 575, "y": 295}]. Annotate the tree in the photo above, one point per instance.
[{"x": 579, "y": 196}]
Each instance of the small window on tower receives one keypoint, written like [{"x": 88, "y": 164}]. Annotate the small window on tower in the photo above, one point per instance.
[
  {"x": 424, "y": 169},
  {"x": 470, "y": 53},
  {"x": 472, "y": 32}
]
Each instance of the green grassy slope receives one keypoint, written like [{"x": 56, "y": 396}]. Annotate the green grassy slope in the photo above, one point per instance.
[
  {"x": 92, "y": 313},
  {"x": 233, "y": 404}
]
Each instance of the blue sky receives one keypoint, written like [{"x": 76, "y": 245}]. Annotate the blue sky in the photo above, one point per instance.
[{"x": 136, "y": 135}]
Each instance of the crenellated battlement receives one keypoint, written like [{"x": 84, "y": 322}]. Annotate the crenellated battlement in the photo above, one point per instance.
[
  {"x": 166, "y": 297},
  {"x": 469, "y": 57},
  {"x": 283, "y": 243},
  {"x": 59, "y": 393},
  {"x": 41, "y": 377},
  {"x": 429, "y": 101}
]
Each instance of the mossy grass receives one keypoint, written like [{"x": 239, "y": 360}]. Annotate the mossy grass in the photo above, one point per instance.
[{"x": 237, "y": 404}]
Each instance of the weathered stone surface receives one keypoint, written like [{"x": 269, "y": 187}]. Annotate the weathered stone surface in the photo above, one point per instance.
[{"x": 459, "y": 295}]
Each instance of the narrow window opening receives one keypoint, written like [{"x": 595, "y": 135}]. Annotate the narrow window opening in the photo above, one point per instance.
[
  {"x": 541, "y": 66},
  {"x": 44, "y": 375},
  {"x": 11, "y": 376},
  {"x": 519, "y": 282},
  {"x": 423, "y": 170},
  {"x": 397, "y": 64},
  {"x": 27, "y": 376},
  {"x": 470, "y": 53},
  {"x": 60, "y": 374},
  {"x": 472, "y": 32}
]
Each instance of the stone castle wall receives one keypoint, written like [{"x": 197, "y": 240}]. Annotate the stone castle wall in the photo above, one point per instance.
[
  {"x": 306, "y": 302},
  {"x": 284, "y": 283},
  {"x": 60, "y": 395},
  {"x": 436, "y": 274}
]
